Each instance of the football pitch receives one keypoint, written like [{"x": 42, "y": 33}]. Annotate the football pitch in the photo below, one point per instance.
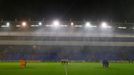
[{"x": 70, "y": 69}]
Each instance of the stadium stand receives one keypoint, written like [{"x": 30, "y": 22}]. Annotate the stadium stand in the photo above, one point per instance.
[{"x": 76, "y": 44}]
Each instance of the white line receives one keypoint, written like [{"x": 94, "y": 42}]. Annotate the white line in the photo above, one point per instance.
[{"x": 65, "y": 68}]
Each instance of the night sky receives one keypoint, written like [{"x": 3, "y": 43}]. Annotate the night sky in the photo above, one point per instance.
[{"x": 115, "y": 10}]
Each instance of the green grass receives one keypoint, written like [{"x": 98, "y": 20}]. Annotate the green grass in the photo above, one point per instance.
[{"x": 73, "y": 69}]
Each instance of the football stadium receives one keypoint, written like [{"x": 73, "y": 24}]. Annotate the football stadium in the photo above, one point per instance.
[{"x": 66, "y": 48}]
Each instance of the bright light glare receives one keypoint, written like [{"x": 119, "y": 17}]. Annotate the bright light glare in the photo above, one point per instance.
[
  {"x": 105, "y": 25},
  {"x": 72, "y": 24},
  {"x": 56, "y": 23},
  {"x": 40, "y": 23},
  {"x": 8, "y": 24},
  {"x": 88, "y": 24},
  {"x": 24, "y": 24},
  {"x": 122, "y": 27}
]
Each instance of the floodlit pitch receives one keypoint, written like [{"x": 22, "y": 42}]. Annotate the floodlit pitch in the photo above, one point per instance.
[{"x": 72, "y": 69}]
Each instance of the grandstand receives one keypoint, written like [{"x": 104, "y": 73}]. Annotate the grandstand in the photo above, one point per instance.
[{"x": 76, "y": 41}]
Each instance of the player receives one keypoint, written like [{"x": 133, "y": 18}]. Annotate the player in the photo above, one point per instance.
[
  {"x": 105, "y": 63},
  {"x": 64, "y": 61},
  {"x": 23, "y": 63}
]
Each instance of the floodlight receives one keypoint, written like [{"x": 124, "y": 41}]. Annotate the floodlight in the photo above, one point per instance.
[
  {"x": 122, "y": 27},
  {"x": 40, "y": 23},
  {"x": 72, "y": 24},
  {"x": 24, "y": 24},
  {"x": 105, "y": 25},
  {"x": 56, "y": 23},
  {"x": 7, "y": 24},
  {"x": 88, "y": 24}
]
